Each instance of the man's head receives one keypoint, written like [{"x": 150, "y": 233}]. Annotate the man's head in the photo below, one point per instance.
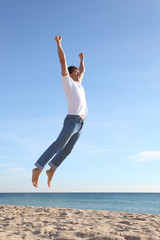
[{"x": 74, "y": 73}]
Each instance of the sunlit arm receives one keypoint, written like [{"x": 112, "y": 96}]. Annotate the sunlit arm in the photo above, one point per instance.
[
  {"x": 61, "y": 56},
  {"x": 81, "y": 67}
]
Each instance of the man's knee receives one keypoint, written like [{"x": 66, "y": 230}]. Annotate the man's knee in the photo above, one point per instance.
[
  {"x": 68, "y": 151},
  {"x": 58, "y": 146}
]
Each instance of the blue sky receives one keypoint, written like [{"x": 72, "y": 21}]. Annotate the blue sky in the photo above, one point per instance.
[{"x": 119, "y": 148}]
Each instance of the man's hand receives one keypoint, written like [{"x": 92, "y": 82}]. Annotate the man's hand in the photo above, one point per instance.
[
  {"x": 58, "y": 39},
  {"x": 81, "y": 56}
]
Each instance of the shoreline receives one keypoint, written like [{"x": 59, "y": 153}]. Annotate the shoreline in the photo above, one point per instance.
[
  {"x": 125, "y": 202},
  {"x": 27, "y": 222}
]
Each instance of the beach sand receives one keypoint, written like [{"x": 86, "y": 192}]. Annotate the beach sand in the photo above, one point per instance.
[{"x": 34, "y": 223}]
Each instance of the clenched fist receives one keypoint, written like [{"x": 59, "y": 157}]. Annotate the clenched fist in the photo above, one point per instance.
[
  {"x": 81, "y": 56},
  {"x": 58, "y": 39}
]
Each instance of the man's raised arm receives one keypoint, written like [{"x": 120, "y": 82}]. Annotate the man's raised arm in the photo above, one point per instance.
[
  {"x": 81, "y": 67},
  {"x": 61, "y": 56}
]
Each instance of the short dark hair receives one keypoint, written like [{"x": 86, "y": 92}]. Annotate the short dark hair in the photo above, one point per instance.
[{"x": 72, "y": 68}]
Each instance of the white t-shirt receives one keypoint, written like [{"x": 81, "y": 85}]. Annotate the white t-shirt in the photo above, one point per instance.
[{"x": 75, "y": 95}]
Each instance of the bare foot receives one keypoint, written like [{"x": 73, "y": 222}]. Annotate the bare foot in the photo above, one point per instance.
[
  {"x": 50, "y": 174},
  {"x": 35, "y": 175}
]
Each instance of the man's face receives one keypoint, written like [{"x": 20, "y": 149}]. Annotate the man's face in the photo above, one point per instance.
[{"x": 75, "y": 75}]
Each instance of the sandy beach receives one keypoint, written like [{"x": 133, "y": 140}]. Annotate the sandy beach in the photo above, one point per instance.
[{"x": 34, "y": 223}]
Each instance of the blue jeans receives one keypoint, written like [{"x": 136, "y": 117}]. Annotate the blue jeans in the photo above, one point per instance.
[{"x": 64, "y": 144}]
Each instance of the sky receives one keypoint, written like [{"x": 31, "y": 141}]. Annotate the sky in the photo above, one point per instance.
[{"x": 119, "y": 149}]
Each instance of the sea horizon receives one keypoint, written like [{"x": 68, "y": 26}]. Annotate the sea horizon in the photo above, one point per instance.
[
  {"x": 81, "y": 192},
  {"x": 139, "y": 202}
]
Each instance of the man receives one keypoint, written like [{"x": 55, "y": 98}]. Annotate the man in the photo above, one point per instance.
[{"x": 73, "y": 123}]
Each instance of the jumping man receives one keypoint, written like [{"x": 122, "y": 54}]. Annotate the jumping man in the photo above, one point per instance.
[{"x": 73, "y": 123}]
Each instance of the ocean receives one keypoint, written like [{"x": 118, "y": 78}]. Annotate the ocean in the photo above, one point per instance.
[{"x": 123, "y": 202}]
